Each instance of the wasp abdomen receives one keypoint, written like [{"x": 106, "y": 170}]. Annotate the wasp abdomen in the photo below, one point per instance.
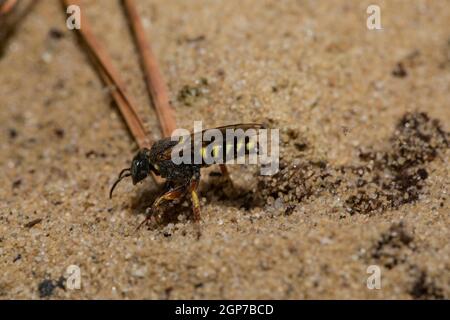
[{"x": 228, "y": 149}]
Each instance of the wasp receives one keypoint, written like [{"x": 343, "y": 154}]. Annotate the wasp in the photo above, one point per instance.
[{"x": 183, "y": 178}]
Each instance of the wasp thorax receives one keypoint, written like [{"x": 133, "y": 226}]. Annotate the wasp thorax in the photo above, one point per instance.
[{"x": 140, "y": 166}]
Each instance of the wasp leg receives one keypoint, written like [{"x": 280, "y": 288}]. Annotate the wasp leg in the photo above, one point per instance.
[
  {"x": 195, "y": 205},
  {"x": 170, "y": 195},
  {"x": 226, "y": 174}
]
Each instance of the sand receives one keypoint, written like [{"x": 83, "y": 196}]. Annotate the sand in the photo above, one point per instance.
[{"x": 364, "y": 122}]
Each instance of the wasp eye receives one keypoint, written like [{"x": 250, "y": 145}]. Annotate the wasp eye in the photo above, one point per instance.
[{"x": 140, "y": 167}]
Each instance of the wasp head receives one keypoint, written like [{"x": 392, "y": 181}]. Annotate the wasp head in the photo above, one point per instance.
[
  {"x": 140, "y": 166},
  {"x": 139, "y": 170}
]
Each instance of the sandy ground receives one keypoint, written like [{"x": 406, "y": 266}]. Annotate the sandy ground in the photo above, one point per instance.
[{"x": 364, "y": 119}]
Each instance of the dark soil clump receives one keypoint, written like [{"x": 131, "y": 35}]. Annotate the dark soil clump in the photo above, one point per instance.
[{"x": 385, "y": 179}]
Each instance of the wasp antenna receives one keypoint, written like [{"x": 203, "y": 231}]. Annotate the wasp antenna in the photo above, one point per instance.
[
  {"x": 121, "y": 176},
  {"x": 141, "y": 224},
  {"x": 123, "y": 171}
]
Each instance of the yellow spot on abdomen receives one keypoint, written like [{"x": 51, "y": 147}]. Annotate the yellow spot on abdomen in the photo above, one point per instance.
[{"x": 215, "y": 150}]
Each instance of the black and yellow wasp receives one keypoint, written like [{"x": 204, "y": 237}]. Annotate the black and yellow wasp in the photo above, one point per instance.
[{"x": 184, "y": 178}]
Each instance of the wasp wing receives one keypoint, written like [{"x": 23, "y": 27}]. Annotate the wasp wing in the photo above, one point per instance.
[
  {"x": 233, "y": 144},
  {"x": 223, "y": 130},
  {"x": 237, "y": 145}
]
